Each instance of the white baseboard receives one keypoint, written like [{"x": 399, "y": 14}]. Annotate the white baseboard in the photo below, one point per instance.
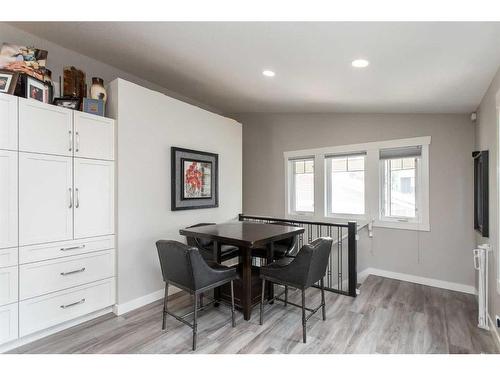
[
  {"x": 494, "y": 331},
  {"x": 470, "y": 289},
  {"x": 50, "y": 331},
  {"x": 123, "y": 308}
]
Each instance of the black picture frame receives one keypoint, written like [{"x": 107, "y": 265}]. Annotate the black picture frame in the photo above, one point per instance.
[
  {"x": 178, "y": 201},
  {"x": 481, "y": 192},
  {"x": 23, "y": 86},
  {"x": 71, "y": 103}
]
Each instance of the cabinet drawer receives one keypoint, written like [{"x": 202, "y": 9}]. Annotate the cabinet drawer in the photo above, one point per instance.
[
  {"x": 94, "y": 136},
  {"x": 53, "y": 275},
  {"x": 8, "y": 323},
  {"x": 45, "y": 128},
  {"x": 36, "y": 253},
  {"x": 8, "y": 285},
  {"x": 42, "y": 312},
  {"x": 8, "y": 257}
]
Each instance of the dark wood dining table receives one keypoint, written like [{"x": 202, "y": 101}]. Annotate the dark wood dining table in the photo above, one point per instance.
[{"x": 246, "y": 236}]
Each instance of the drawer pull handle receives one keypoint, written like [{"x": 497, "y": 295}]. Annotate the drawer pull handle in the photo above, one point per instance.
[
  {"x": 72, "y": 248},
  {"x": 73, "y": 304},
  {"x": 72, "y": 272}
]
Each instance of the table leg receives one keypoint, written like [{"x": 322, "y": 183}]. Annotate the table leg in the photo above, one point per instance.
[
  {"x": 217, "y": 258},
  {"x": 246, "y": 276},
  {"x": 270, "y": 259}
]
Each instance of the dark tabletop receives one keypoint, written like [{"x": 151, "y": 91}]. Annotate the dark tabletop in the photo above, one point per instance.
[{"x": 243, "y": 233}]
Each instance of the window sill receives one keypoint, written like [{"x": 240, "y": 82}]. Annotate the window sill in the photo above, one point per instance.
[{"x": 422, "y": 227}]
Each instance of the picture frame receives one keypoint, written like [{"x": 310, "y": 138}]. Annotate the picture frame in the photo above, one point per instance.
[
  {"x": 93, "y": 106},
  {"x": 8, "y": 81},
  {"x": 194, "y": 179},
  {"x": 33, "y": 88},
  {"x": 70, "y": 103}
]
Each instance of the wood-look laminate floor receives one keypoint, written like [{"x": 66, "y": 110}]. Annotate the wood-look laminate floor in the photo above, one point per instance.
[{"x": 389, "y": 316}]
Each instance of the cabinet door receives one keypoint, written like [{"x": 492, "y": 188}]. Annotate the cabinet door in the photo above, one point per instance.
[
  {"x": 8, "y": 285},
  {"x": 94, "y": 198},
  {"x": 94, "y": 136},
  {"x": 45, "y": 128},
  {"x": 45, "y": 198},
  {"x": 8, "y": 323},
  {"x": 8, "y": 122},
  {"x": 8, "y": 199}
]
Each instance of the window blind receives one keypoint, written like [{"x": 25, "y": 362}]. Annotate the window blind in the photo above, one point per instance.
[{"x": 401, "y": 152}]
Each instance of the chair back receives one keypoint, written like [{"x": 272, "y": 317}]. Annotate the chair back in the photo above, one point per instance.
[
  {"x": 175, "y": 261},
  {"x": 290, "y": 242},
  {"x": 321, "y": 249},
  {"x": 202, "y": 243}
]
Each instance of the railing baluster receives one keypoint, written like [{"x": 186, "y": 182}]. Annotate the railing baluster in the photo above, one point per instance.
[{"x": 335, "y": 266}]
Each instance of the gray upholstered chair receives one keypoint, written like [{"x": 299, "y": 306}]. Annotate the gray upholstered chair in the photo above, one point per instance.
[
  {"x": 301, "y": 272},
  {"x": 184, "y": 267}
]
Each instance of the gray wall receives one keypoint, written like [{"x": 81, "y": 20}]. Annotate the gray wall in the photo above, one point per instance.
[
  {"x": 487, "y": 139},
  {"x": 59, "y": 57},
  {"x": 444, "y": 253}
]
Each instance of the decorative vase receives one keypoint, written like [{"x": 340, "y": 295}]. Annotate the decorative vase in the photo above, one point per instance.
[{"x": 97, "y": 90}]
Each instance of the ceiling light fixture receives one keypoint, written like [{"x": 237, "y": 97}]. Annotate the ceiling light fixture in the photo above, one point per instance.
[
  {"x": 360, "y": 63},
  {"x": 268, "y": 73}
]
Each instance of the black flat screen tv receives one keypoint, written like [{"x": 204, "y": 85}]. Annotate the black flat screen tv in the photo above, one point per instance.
[{"x": 481, "y": 192}]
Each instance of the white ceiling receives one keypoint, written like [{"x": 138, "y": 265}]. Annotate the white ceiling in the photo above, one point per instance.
[{"x": 414, "y": 67}]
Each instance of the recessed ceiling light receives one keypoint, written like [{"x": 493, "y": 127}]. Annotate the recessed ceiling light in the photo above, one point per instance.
[
  {"x": 268, "y": 73},
  {"x": 360, "y": 63}
]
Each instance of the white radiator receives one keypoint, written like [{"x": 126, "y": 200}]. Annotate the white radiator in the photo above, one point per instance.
[{"x": 481, "y": 265}]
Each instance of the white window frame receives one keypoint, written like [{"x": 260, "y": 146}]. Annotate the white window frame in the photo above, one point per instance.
[
  {"x": 328, "y": 189},
  {"x": 291, "y": 186},
  {"x": 373, "y": 182}
]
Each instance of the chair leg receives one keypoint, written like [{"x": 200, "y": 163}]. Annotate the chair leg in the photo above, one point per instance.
[
  {"x": 323, "y": 307},
  {"x": 286, "y": 295},
  {"x": 262, "y": 302},
  {"x": 304, "y": 316},
  {"x": 195, "y": 321},
  {"x": 165, "y": 301},
  {"x": 233, "y": 322}
]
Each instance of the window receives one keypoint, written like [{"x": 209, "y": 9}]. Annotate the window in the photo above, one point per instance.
[
  {"x": 346, "y": 185},
  {"x": 384, "y": 183},
  {"x": 399, "y": 177},
  {"x": 302, "y": 189}
]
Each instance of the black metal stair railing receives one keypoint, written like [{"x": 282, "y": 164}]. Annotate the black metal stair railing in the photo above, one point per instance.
[{"x": 341, "y": 274}]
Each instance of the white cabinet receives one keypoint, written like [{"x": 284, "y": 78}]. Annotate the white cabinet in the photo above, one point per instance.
[
  {"x": 38, "y": 313},
  {"x": 94, "y": 136},
  {"x": 8, "y": 199},
  {"x": 8, "y": 122},
  {"x": 56, "y": 274},
  {"x": 8, "y": 323},
  {"x": 45, "y": 128},
  {"x": 8, "y": 257},
  {"x": 94, "y": 197},
  {"x": 45, "y": 198},
  {"x": 8, "y": 285}
]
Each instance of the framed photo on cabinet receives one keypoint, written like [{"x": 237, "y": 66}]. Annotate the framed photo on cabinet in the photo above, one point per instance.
[{"x": 194, "y": 179}]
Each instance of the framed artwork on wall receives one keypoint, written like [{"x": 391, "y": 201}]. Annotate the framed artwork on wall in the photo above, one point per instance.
[{"x": 194, "y": 179}]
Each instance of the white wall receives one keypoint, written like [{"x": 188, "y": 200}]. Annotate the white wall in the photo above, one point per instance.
[
  {"x": 487, "y": 139},
  {"x": 148, "y": 124},
  {"x": 59, "y": 57},
  {"x": 445, "y": 252}
]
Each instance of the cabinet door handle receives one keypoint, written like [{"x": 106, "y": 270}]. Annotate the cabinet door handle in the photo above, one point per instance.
[
  {"x": 70, "y": 198},
  {"x": 77, "y": 205},
  {"x": 72, "y": 272},
  {"x": 70, "y": 141},
  {"x": 73, "y": 304},
  {"x": 72, "y": 248},
  {"x": 77, "y": 146}
]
